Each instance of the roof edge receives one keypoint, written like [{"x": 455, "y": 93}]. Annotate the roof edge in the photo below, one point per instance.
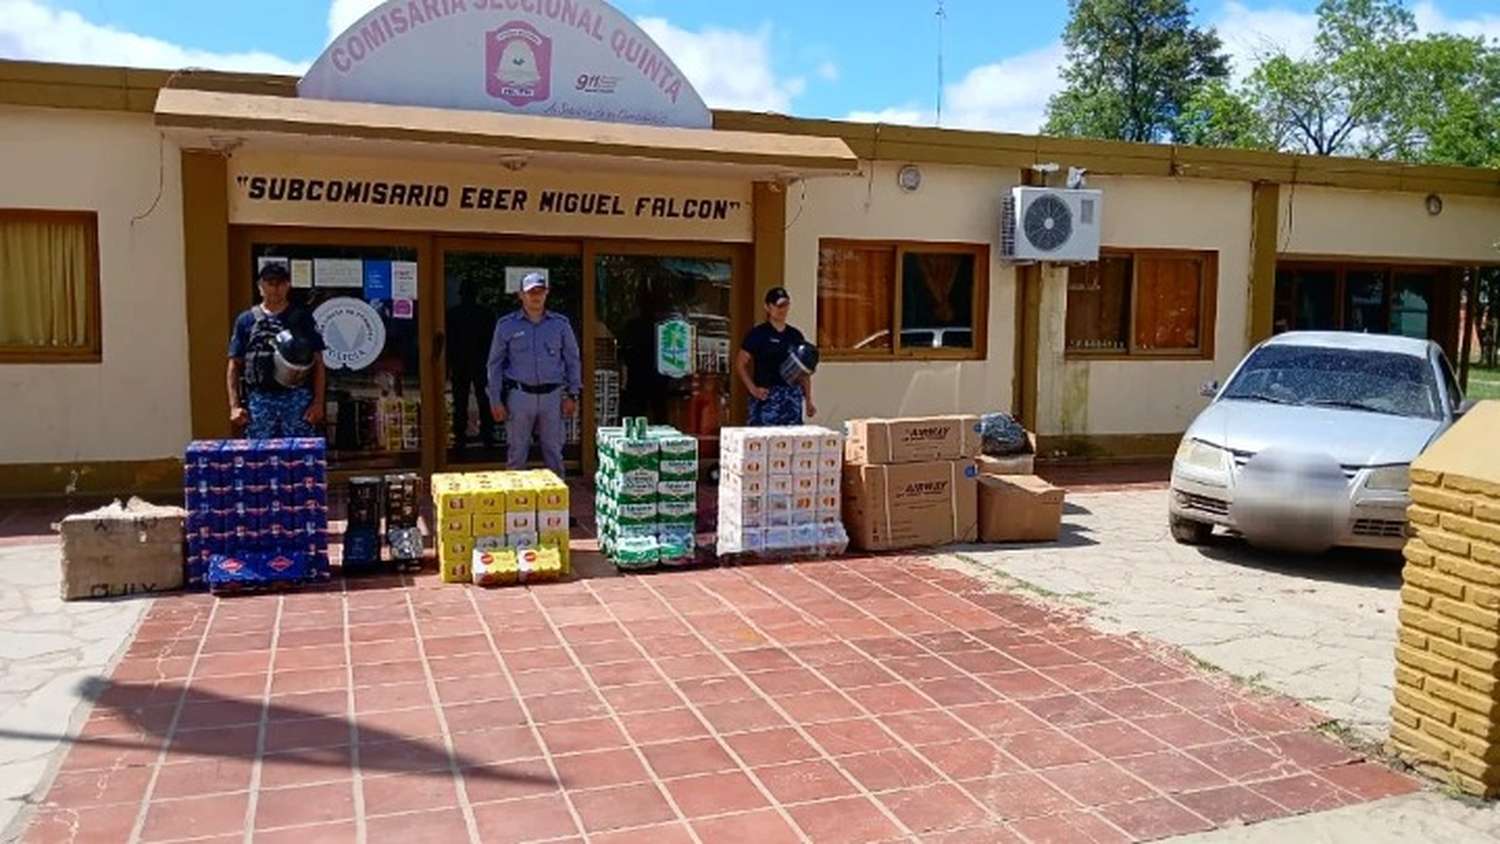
[{"x": 134, "y": 90}]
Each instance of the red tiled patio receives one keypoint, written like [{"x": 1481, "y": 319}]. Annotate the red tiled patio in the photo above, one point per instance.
[{"x": 880, "y": 699}]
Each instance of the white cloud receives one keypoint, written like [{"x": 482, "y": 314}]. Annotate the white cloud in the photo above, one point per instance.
[
  {"x": 828, "y": 72},
  {"x": 728, "y": 69},
  {"x": 1431, "y": 19},
  {"x": 32, "y": 30},
  {"x": 1252, "y": 34},
  {"x": 343, "y": 13},
  {"x": 1007, "y": 96},
  {"x": 908, "y": 116}
]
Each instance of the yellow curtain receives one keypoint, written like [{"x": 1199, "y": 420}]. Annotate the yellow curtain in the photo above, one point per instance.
[
  {"x": 44, "y": 282},
  {"x": 856, "y": 294}
]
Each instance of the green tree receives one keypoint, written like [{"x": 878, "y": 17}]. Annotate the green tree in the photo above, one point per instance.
[
  {"x": 1369, "y": 88},
  {"x": 1444, "y": 105},
  {"x": 1133, "y": 66},
  {"x": 1218, "y": 116}
]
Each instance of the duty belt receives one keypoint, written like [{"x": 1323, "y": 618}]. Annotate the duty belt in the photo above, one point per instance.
[{"x": 534, "y": 389}]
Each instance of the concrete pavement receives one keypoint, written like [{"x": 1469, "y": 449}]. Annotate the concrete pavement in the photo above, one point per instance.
[
  {"x": 49, "y": 647},
  {"x": 1321, "y": 630}
]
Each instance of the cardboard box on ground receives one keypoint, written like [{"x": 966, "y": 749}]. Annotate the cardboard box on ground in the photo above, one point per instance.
[
  {"x": 918, "y": 482},
  {"x": 1019, "y": 508},
  {"x": 129, "y": 549}
]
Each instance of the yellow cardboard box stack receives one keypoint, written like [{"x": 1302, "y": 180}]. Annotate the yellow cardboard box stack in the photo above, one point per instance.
[{"x": 483, "y": 513}]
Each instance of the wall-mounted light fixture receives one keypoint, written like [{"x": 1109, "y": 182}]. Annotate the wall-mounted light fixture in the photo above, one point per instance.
[
  {"x": 1434, "y": 204},
  {"x": 909, "y": 177}
]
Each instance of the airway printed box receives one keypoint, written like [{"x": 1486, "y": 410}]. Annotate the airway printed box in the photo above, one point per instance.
[
  {"x": 911, "y": 505},
  {"x": 912, "y": 439}
]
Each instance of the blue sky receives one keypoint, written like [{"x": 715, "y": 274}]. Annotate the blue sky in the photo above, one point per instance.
[{"x": 870, "y": 60}]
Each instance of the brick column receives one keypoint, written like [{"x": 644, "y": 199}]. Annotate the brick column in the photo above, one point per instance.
[{"x": 1446, "y": 715}]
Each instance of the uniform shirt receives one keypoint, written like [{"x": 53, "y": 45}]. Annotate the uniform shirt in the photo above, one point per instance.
[
  {"x": 293, "y": 317},
  {"x": 768, "y": 349},
  {"x": 527, "y": 352}
]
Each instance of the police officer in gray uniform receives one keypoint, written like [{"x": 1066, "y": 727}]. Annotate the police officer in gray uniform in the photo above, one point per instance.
[{"x": 535, "y": 376}]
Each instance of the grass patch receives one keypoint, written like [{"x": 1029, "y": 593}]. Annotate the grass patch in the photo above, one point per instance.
[{"x": 1484, "y": 383}]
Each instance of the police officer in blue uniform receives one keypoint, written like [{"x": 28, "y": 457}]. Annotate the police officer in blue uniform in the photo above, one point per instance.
[
  {"x": 773, "y": 401},
  {"x": 535, "y": 376}
]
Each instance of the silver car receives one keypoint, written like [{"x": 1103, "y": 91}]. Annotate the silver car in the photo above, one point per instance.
[{"x": 1309, "y": 443}]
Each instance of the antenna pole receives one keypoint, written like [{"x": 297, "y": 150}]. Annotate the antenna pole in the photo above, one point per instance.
[{"x": 942, "y": 15}]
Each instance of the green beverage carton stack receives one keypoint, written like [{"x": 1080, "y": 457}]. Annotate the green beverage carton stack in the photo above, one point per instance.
[{"x": 646, "y": 494}]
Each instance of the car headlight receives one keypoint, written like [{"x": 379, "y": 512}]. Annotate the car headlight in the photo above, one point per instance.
[
  {"x": 1390, "y": 477},
  {"x": 1201, "y": 455}
]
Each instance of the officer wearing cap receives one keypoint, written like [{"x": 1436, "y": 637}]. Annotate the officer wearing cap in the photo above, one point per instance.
[
  {"x": 773, "y": 401},
  {"x": 535, "y": 376}
]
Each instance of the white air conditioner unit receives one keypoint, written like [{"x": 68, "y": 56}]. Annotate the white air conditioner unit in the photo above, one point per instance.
[{"x": 1050, "y": 224}]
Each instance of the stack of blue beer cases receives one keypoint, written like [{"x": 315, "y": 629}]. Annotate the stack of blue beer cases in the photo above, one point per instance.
[{"x": 257, "y": 513}]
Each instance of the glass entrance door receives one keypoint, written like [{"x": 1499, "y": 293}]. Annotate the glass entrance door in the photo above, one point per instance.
[
  {"x": 481, "y": 283},
  {"x": 664, "y": 348}
]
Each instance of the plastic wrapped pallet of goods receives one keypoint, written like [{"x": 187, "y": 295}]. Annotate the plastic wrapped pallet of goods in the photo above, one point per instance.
[{"x": 265, "y": 523}]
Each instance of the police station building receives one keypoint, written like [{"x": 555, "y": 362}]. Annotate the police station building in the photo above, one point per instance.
[{"x": 440, "y": 150}]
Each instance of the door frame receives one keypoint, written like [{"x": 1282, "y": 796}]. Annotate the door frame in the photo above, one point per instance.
[
  {"x": 243, "y": 237},
  {"x": 438, "y": 365},
  {"x": 741, "y": 291}
]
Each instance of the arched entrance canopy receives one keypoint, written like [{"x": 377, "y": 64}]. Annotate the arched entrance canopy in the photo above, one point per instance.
[{"x": 579, "y": 59}]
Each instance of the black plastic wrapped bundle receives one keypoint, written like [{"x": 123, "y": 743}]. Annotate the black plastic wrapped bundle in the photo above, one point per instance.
[{"x": 1002, "y": 435}]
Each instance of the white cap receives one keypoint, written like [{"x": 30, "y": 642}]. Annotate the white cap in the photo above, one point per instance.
[{"x": 532, "y": 281}]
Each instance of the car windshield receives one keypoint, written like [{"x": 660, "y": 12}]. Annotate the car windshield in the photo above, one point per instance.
[{"x": 1362, "y": 379}]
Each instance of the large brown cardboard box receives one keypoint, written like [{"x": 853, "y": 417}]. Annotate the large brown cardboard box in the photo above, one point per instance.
[
  {"x": 910, "y": 505},
  {"x": 913, "y": 439},
  {"x": 1014, "y": 464},
  {"x": 129, "y": 549},
  {"x": 1019, "y": 508}
]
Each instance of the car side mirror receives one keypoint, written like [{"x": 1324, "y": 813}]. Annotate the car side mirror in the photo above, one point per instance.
[
  {"x": 1464, "y": 407},
  {"x": 1209, "y": 389}
]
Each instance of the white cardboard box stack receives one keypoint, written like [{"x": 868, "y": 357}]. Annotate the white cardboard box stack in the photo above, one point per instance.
[{"x": 779, "y": 491}]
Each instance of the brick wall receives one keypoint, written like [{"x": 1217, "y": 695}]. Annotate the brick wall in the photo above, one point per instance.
[{"x": 1446, "y": 714}]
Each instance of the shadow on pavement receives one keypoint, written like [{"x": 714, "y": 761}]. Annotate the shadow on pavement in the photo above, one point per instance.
[
  {"x": 1351, "y": 566},
  {"x": 231, "y": 728}
]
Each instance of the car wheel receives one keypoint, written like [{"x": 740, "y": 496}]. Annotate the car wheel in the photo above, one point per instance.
[{"x": 1189, "y": 532}]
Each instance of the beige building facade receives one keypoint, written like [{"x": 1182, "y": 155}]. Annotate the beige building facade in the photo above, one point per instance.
[{"x": 888, "y": 238}]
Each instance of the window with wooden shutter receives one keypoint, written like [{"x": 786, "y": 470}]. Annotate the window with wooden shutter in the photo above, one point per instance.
[{"x": 1142, "y": 303}]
